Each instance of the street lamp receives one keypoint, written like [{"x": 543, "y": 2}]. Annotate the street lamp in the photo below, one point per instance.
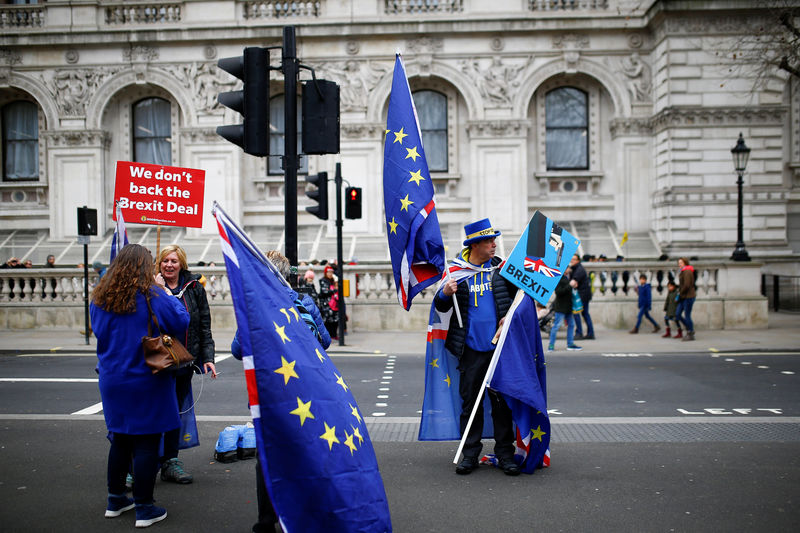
[{"x": 741, "y": 153}]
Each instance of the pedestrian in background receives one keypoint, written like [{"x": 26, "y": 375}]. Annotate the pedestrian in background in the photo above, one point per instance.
[
  {"x": 562, "y": 308},
  {"x": 174, "y": 273},
  {"x": 687, "y": 293},
  {"x": 580, "y": 281},
  {"x": 670, "y": 306},
  {"x": 645, "y": 303},
  {"x": 138, "y": 406}
]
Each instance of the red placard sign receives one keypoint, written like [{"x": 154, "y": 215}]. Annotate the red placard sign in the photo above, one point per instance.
[{"x": 155, "y": 194}]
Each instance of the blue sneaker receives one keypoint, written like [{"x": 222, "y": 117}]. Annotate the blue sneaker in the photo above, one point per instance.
[
  {"x": 148, "y": 514},
  {"x": 118, "y": 505},
  {"x": 573, "y": 348},
  {"x": 551, "y": 348}
]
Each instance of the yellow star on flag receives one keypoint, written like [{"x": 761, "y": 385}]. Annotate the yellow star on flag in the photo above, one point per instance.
[
  {"x": 340, "y": 381},
  {"x": 286, "y": 314},
  {"x": 416, "y": 177},
  {"x": 537, "y": 433},
  {"x": 387, "y": 132},
  {"x": 287, "y": 370},
  {"x": 319, "y": 355},
  {"x": 398, "y": 136},
  {"x": 447, "y": 380},
  {"x": 412, "y": 153},
  {"x": 294, "y": 312},
  {"x": 280, "y": 331},
  {"x": 406, "y": 202},
  {"x": 330, "y": 436},
  {"x": 303, "y": 411},
  {"x": 357, "y": 434},
  {"x": 348, "y": 441},
  {"x": 393, "y": 225},
  {"x": 434, "y": 363},
  {"x": 354, "y": 410}
]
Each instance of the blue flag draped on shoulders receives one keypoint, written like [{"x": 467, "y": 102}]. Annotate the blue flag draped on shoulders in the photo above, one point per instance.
[
  {"x": 316, "y": 455},
  {"x": 120, "y": 237},
  {"x": 441, "y": 403},
  {"x": 412, "y": 227},
  {"x": 519, "y": 375}
]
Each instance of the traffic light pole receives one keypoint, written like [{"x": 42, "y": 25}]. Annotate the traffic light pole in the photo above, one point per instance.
[
  {"x": 339, "y": 254},
  {"x": 290, "y": 158}
]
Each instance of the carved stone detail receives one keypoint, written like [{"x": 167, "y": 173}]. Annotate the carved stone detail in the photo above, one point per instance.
[
  {"x": 204, "y": 81},
  {"x": 497, "y": 82},
  {"x": 355, "y": 78},
  {"x": 635, "y": 40},
  {"x": 571, "y": 40},
  {"x": 200, "y": 135},
  {"x": 10, "y": 57},
  {"x": 718, "y": 116},
  {"x": 425, "y": 44},
  {"x": 497, "y": 44},
  {"x": 636, "y": 74},
  {"x": 140, "y": 53},
  {"x": 71, "y": 56},
  {"x": 72, "y": 138},
  {"x": 497, "y": 128},
  {"x": 624, "y": 127},
  {"x": 362, "y": 130},
  {"x": 352, "y": 48},
  {"x": 210, "y": 51},
  {"x": 72, "y": 88}
]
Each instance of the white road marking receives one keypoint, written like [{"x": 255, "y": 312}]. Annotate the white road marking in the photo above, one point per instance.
[
  {"x": 91, "y": 410},
  {"x": 50, "y": 380}
]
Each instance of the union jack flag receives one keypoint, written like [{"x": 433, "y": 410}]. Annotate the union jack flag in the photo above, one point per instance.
[{"x": 536, "y": 264}]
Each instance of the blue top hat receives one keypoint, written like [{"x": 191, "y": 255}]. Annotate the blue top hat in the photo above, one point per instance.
[{"x": 478, "y": 231}]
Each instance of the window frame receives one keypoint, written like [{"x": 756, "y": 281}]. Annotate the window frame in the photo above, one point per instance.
[
  {"x": 275, "y": 159},
  {"x": 445, "y": 130},
  {"x": 170, "y": 139},
  {"x": 585, "y": 128},
  {"x": 37, "y": 142}
]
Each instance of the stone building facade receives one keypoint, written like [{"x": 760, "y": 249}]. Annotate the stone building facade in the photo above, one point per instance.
[{"x": 610, "y": 116}]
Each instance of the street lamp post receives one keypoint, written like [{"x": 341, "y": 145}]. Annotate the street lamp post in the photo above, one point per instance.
[{"x": 741, "y": 153}]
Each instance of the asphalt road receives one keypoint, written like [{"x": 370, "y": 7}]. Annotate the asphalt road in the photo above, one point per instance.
[{"x": 641, "y": 442}]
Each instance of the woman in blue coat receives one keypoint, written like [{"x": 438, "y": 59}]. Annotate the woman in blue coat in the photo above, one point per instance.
[{"x": 138, "y": 406}]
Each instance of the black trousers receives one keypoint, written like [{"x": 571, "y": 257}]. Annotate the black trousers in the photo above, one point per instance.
[
  {"x": 144, "y": 451},
  {"x": 172, "y": 439},
  {"x": 472, "y": 369},
  {"x": 267, "y": 517}
]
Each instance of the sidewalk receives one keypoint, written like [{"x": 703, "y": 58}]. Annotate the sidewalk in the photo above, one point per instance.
[{"x": 783, "y": 334}]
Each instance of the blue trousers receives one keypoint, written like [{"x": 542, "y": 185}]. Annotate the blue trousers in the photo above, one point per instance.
[
  {"x": 684, "y": 313},
  {"x": 644, "y": 312},
  {"x": 144, "y": 451},
  {"x": 587, "y": 318},
  {"x": 557, "y": 320}
]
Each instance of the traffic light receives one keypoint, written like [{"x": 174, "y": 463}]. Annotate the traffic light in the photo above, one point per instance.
[
  {"x": 252, "y": 102},
  {"x": 352, "y": 202},
  {"x": 320, "y": 195}
]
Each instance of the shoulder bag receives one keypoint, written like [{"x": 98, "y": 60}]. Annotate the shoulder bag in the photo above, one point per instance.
[{"x": 163, "y": 352}]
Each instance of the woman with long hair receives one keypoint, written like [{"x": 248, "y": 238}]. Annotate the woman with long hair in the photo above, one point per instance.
[
  {"x": 173, "y": 272},
  {"x": 138, "y": 406}
]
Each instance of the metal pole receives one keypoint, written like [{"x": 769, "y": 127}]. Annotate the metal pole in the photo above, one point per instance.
[
  {"x": 776, "y": 293},
  {"x": 290, "y": 159},
  {"x": 739, "y": 253},
  {"x": 339, "y": 254},
  {"x": 86, "y": 330}
]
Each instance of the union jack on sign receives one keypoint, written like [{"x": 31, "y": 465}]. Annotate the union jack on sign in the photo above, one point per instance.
[{"x": 536, "y": 264}]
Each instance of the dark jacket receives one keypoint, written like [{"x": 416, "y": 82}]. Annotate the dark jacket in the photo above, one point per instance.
[
  {"x": 503, "y": 291},
  {"x": 198, "y": 336},
  {"x": 563, "y": 300},
  {"x": 584, "y": 287},
  {"x": 686, "y": 280},
  {"x": 645, "y": 296},
  {"x": 671, "y": 303}
]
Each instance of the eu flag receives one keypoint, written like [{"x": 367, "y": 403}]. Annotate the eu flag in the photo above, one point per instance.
[
  {"x": 412, "y": 227},
  {"x": 519, "y": 375},
  {"x": 316, "y": 456},
  {"x": 120, "y": 238}
]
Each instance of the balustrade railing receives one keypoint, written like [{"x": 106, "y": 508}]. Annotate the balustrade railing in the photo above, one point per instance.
[
  {"x": 369, "y": 283},
  {"x": 22, "y": 16},
  {"x": 143, "y": 12},
  {"x": 566, "y": 5},
  {"x": 269, "y": 9},
  {"x": 397, "y": 7}
]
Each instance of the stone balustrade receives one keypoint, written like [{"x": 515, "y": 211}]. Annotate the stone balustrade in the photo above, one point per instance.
[
  {"x": 142, "y": 12},
  {"x": 728, "y": 296},
  {"x": 22, "y": 16}
]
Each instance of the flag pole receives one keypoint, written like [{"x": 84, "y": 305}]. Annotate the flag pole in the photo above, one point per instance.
[
  {"x": 487, "y": 378},
  {"x": 455, "y": 302},
  {"x": 158, "y": 239}
]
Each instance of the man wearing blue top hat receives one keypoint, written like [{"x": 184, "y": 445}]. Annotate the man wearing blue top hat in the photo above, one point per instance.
[{"x": 483, "y": 297}]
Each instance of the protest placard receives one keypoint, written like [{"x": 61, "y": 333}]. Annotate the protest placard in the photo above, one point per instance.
[
  {"x": 540, "y": 257},
  {"x": 155, "y": 194}
]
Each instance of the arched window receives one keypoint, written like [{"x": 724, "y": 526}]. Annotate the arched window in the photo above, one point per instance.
[
  {"x": 20, "y": 141},
  {"x": 152, "y": 131},
  {"x": 567, "y": 129},
  {"x": 277, "y": 130},
  {"x": 432, "y": 115}
]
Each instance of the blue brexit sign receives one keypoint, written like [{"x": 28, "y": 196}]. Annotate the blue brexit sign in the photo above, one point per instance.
[{"x": 540, "y": 257}]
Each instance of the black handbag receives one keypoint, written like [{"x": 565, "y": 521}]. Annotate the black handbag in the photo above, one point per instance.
[{"x": 163, "y": 352}]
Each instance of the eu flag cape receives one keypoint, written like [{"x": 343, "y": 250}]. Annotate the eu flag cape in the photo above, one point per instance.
[
  {"x": 412, "y": 227},
  {"x": 518, "y": 373},
  {"x": 316, "y": 456}
]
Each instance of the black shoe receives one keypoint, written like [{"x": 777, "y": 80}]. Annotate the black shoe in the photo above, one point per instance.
[
  {"x": 587, "y": 337},
  {"x": 509, "y": 467},
  {"x": 579, "y": 337},
  {"x": 467, "y": 465}
]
